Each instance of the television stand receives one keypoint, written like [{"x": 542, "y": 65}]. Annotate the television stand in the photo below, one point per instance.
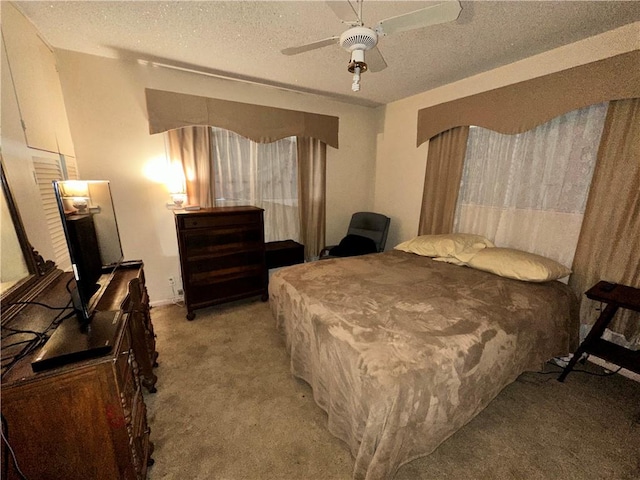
[{"x": 71, "y": 342}]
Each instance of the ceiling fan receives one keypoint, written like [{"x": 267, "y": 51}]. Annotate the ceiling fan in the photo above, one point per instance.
[{"x": 359, "y": 39}]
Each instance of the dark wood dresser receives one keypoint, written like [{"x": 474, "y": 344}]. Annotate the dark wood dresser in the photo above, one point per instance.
[
  {"x": 222, "y": 255},
  {"x": 85, "y": 419}
]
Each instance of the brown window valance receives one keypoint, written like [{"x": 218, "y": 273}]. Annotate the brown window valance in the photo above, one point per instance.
[
  {"x": 522, "y": 106},
  {"x": 170, "y": 110}
]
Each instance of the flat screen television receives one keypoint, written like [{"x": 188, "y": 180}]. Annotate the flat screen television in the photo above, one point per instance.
[{"x": 91, "y": 232}]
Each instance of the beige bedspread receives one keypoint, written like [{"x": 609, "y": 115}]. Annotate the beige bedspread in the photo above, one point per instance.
[{"x": 401, "y": 351}]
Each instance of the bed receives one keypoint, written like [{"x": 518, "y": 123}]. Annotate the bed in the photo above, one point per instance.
[{"x": 401, "y": 351}]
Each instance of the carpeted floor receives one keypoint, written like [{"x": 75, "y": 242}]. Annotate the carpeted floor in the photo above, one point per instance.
[{"x": 228, "y": 408}]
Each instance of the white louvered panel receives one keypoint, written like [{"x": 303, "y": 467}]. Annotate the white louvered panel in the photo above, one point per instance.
[
  {"x": 58, "y": 238},
  {"x": 71, "y": 168},
  {"x": 47, "y": 195},
  {"x": 51, "y": 225},
  {"x": 63, "y": 261},
  {"x": 51, "y": 205},
  {"x": 45, "y": 164},
  {"x": 59, "y": 243},
  {"x": 47, "y": 170}
]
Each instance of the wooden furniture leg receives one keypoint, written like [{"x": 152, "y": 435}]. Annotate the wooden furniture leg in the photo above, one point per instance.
[{"x": 596, "y": 332}]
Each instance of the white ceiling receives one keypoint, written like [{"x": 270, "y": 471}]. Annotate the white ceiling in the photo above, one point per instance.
[{"x": 242, "y": 39}]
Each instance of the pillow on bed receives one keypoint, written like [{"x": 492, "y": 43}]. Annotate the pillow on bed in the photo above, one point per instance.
[
  {"x": 511, "y": 263},
  {"x": 452, "y": 260},
  {"x": 452, "y": 247}
]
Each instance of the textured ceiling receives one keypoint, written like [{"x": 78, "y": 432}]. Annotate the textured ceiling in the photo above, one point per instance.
[{"x": 242, "y": 39}]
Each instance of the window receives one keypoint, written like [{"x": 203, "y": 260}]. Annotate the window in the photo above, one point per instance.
[
  {"x": 260, "y": 174},
  {"x": 529, "y": 191}
]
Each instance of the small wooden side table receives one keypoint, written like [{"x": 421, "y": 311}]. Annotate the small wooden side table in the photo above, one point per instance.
[
  {"x": 615, "y": 296},
  {"x": 283, "y": 253}
]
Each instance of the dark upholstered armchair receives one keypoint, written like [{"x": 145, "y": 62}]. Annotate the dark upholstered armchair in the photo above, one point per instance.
[{"x": 367, "y": 233}]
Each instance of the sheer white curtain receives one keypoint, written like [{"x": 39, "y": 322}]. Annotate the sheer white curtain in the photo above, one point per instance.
[
  {"x": 529, "y": 191},
  {"x": 260, "y": 174}
]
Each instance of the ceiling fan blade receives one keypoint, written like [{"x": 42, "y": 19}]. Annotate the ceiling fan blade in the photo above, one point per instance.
[
  {"x": 310, "y": 46},
  {"x": 375, "y": 60},
  {"x": 344, "y": 10},
  {"x": 433, "y": 15}
]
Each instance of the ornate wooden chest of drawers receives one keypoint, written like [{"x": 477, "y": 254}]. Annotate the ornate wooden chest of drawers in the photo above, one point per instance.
[
  {"x": 86, "y": 419},
  {"x": 222, "y": 255}
]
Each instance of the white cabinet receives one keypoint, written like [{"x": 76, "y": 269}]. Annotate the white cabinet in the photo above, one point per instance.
[{"x": 36, "y": 84}]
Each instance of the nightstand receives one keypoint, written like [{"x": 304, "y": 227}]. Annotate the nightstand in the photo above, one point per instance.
[
  {"x": 283, "y": 253},
  {"x": 615, "y": 296}
]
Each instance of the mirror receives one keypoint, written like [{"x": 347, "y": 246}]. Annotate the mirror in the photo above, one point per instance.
[
  {"x": 14, "y": 266},
  {"x": 24, "y": 273}
]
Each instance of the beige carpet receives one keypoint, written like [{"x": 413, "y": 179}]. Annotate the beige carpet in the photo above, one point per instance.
[{"x": 228, "y": 408}]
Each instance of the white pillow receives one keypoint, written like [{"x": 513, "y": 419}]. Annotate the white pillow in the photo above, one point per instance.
[
  {"x": 511, "y": 263},
  {"x": 458, "y": 246}
]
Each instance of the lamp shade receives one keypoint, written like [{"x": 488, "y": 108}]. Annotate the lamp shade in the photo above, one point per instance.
[{"x": 75, "y": 188}]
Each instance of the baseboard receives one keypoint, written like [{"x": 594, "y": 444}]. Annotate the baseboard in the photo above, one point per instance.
[
  {"x": 612, "y": 367},
  {"x": 167, "y": 301}
]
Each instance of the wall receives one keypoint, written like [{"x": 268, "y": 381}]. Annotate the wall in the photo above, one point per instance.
[
  {"x": 400, "y": 165},
  {"x": 107, "y": 115}
]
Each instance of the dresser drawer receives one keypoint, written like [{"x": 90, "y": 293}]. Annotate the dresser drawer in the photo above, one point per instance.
[
  {"x": 139, "y": 417},
  {"x": 123, "y": 366},
  {"x": 126, "y": 377},
  {"x": 213, "y": 241},
  {"x": 226, "y": 288},
  {"x": 221, "y": 262},
  {"x": 224, "y": 275},
  {"x": 139, "y": 436},
  {"x": 213, "y": 221}
]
